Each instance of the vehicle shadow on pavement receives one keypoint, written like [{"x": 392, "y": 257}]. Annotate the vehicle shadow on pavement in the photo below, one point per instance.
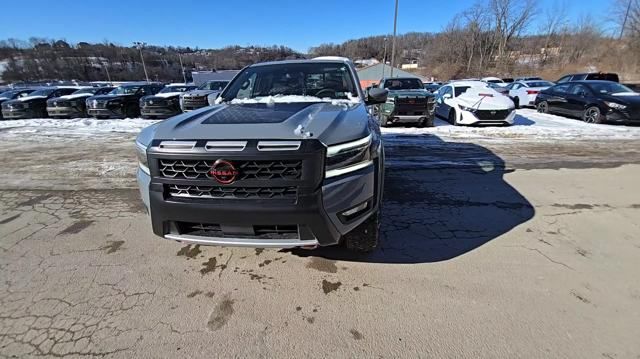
[{"x": 441, "y": 200}]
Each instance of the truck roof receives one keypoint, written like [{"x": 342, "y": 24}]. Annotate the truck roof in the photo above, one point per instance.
[{"x": 327, "y": 59}]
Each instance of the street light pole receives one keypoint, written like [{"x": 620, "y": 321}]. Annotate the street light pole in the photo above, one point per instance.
[
  {"x": 393, "y": 43},
  {"x": 140, "y": 45}
]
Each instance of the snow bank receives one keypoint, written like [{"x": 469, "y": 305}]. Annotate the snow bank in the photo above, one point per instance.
[
  {"x": 77, "y": 126},
  {"x": 529, "y": 125}
]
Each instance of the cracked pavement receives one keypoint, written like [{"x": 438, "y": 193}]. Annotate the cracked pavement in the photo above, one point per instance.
[{"x": 488, "y": 250}]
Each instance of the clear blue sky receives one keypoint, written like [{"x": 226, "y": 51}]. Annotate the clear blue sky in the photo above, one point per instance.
[{"x": 212, "y": 24}]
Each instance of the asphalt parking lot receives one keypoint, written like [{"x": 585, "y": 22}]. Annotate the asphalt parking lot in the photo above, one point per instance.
[{"x": 509, "y": 247}]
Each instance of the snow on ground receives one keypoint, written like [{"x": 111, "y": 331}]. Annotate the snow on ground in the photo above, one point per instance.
[
  {"x": 77, "y": 126},
  {"x": 529, "y": 125}
]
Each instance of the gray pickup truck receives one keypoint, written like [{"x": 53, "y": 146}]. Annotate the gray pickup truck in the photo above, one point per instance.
[{"x": 289, "y": 156}]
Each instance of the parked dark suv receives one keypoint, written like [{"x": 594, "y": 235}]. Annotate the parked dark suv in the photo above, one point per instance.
[
  {"x": 74, "y": 105},
  {"x": 35, "y": 104},
  {"x": 122, "y": 102},
  {"x": 165, "y": 103},
  {"x": 592, "y": 101},
  {"x": 9, "y": 95},
  {"x": 590, "y": 76}
]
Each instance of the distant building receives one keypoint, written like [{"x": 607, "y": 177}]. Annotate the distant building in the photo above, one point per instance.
[
  {"x": 200, "y": 77},
  {"x": 366, "y": 62},
  {"x": 409, "y": 66},
  {"x": 372, "y": 74}
]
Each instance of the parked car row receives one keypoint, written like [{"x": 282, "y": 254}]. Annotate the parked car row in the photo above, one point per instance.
[{"x": 134, "y": 99}]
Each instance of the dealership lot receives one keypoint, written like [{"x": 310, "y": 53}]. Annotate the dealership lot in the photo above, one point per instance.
[{"x": 497, "y": 242}]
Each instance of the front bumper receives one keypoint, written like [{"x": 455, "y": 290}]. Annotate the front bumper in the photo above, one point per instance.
[
  {"x": 105, "y": 113},
  {"x": 17, "y": 114},
  {"x": 469, "y": 118},
  {"x": 65, "y": 112},
  {"x": 623, "y": 116},
  {"x": 158, "y": 112},
  {"x": 316, "y": 211}
]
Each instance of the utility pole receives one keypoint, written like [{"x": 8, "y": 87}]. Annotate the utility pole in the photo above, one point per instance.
[
  {"x": 106, "y": 68},
  {"x": 393, "y": 43},
  {"x": 139, "y": 45},
  {"x": 184, "y": 76},
  {"x": 624, "y": 22},
  {"x": 384, "y": 58}
]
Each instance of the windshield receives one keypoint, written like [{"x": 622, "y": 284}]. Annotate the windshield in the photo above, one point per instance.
[
  {"x": 214, "y": 85},
  {"x": 90, "y": 90},
  {"x": 609, "y": 87},
  {"x": 169, "y": 89},
  {"x": 539, "y": 84},
  {"x": 459, "y": 90},
  {"x": 495, "y": 81},
  {"x": 312, "y": 80},
  {"x": 45, "y": 92},
  {"x": 403, "y": 84},
  {"x": 125, "y": 90},
  {"x": 11, "y": 94}
]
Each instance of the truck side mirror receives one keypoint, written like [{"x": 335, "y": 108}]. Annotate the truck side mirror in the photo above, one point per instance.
[
  {"x": 376, "y": 96},
  {"x": 447, "y": 95}
]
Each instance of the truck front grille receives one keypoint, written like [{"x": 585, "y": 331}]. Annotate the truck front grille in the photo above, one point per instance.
[
  {"x": 232, "y": 192},
  {"x": 419, "y": 101},
  {"x": 195, "y": 101},
  {"x": 276, "y": 231},
  {"x": 261, "y": 170}
]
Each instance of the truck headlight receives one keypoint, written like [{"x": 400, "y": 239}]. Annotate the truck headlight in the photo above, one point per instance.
[
  {"x": 348, "y": 157},
  {"x": 141, "y": 153}
]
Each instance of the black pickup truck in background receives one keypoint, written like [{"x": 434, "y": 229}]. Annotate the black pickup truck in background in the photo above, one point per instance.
[
  {"x": 74, "y": 104},
  {"x": 122, "y": 102},
  {"x": 165, "y": 103}
]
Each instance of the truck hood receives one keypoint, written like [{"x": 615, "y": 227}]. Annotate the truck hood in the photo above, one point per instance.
[
  {"x": 110, "y": 97},
  {"x": 327, "y": 122},
  {"x": 167, "y": 94},
  {"x": 77, "y": 95},
  {"x": 29, "y": 98}
]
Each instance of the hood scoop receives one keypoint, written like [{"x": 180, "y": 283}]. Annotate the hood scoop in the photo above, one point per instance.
[{"x": 255, "y": 113}]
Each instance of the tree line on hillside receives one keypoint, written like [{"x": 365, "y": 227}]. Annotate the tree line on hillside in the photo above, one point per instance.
[
  {"x": 45, "y": 59},
  {"x": 498, "y": 37}
]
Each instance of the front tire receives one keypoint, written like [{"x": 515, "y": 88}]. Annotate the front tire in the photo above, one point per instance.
[
  {"x": 453, "y": 117},
  {"x": 384, "y": 121},
  {"x": 543, "y": 107},
  {"x": 130, "y": 112},
  {"x": 365, "y": 237},
  {"x": 516, "y": 102},
  {"x": 592, "y": 115}
]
